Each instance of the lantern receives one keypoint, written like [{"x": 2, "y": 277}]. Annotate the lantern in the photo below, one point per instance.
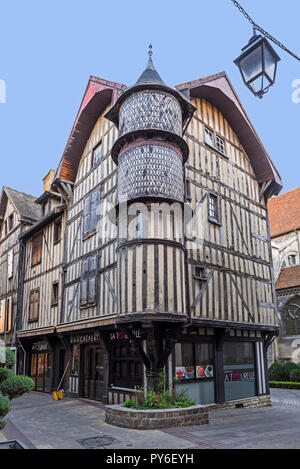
[{"x": 258, "y": 65}]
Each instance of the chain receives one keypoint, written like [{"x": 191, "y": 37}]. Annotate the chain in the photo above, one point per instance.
[{"x": 265, "y": 33}]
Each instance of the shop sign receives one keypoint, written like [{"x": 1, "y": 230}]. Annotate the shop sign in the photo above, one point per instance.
[
  {"x": 120, "y": 336},
  {"x": 239, "y": 375},
  {"x": 85, "y": 339},
  {"x": 40, "y": 346}
]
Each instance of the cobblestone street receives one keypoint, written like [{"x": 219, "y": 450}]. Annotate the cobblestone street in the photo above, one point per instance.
[{"x": 39, "y": 422}]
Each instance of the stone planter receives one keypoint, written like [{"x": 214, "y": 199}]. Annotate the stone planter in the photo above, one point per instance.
[{"x": 156, "y": 418}]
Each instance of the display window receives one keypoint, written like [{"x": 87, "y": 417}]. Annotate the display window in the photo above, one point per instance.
[
  {"x": 239, "y": 370},
  {"x": 194, "y": 361}
]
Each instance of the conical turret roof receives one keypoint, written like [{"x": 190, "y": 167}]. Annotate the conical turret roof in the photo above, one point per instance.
[{"x": 150, "y": 74}]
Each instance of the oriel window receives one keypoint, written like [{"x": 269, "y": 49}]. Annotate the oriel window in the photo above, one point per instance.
[{"x": 37, "y": 242}]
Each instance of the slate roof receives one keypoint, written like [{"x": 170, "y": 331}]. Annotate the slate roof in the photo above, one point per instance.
[
  {"x": 150, "y": 74},
  {"x": 284, "y": 213},
  {"x": 23, "y": 203},
  {"x": 289, "y": 277}
]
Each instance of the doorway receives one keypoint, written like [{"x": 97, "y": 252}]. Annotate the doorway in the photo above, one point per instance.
[
  {"x": 40, "y": 370},
  {"x": 93, "y": 372}
]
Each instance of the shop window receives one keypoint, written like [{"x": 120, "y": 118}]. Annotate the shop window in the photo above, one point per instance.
[
  {"x": 193, "y": 361},
  {"x": 34, "y": 304},
  {"x": 36, "y": 256},
  {"x": 88, "y": 282},
  {"x": 57, "y": 232},
  {"x": 239, "y": 370}
]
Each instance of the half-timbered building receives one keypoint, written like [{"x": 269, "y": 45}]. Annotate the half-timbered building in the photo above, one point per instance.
[
  {"x": 42, "y": 278},
  {"x": 18, "y": 211},
  {"x": 167, "y": 260}
]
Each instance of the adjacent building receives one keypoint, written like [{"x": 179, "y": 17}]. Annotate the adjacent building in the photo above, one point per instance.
[
  {"x": 163, "y": 262},
  {"x": 284, "y": 212}
]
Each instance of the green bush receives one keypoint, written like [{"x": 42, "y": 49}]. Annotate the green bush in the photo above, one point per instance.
[
  {"x": 5, "y": 407},
  {"x": 15, "y": 386},
  {"x": 10, "y": 358},
  {"x": 5, "y": 373},
  {"x": 284, "y": 385},
  {"x": 276, "y": 372},
  {"x": 287, "y": 369},
  {"x": 295, "y": 375}
]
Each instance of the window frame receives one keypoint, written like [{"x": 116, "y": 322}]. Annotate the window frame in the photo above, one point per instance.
[
  {"x": 98, "y": 145},
  {"x": 56, "y": 231},
  {"x": 54, "y": 300},
  {"x": 214, "y": 143},
  {"x": 36, "y": 318},
  {"x": 216, "y": 220},
  {"x": 204, "y": 340},
  {"x": 38, "y": 245}
]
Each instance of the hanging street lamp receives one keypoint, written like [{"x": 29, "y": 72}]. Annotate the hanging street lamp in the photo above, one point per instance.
[{"x": 258, "y": 65}]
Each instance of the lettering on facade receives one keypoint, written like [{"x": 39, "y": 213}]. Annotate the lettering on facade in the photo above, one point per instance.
[
  {"x": 119, "y": 336},
  {"x": 238, "y": 375},
  {"x": 40, "y": 346},
  {"x": 85, "y": 339}
]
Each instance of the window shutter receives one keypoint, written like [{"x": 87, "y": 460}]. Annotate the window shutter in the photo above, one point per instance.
[
  {"x": 84, "y": 282},
  {"x": 92, "y": 279},
  {"x": 2, "y": 315},
  {"x": 94, "y": 209},
  {"x": 10, "y": 314},
  {"x": 10, "y": 260},
  {"x": 87, "y": 216}
]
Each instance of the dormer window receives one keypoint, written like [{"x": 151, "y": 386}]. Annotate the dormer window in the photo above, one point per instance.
[
  {"x": 214, "y": 141},
  {"x": 292, "y": 259}
]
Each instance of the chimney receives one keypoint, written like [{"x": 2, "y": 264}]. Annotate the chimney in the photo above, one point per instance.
[{"x": 47, "y": 180}]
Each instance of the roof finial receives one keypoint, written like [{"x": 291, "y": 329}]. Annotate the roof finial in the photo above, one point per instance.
[{"x": 150, "y": 50}]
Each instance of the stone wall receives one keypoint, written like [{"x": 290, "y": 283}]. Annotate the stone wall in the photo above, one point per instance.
[
  {"x": 156, "y": 418},
  {"x": 164, "y": 418}
]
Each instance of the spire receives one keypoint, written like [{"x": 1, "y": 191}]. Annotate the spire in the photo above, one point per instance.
[{"x": 150, "y": 74}]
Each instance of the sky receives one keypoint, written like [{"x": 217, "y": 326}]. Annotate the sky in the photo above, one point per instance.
[{"x": 48, "y": 50}]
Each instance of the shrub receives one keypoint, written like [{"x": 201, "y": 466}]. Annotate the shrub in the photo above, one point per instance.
[
  {"x": 295, "y": 375},
  {"x": 5, "y": 373},
  {"x": 10, "y": 358},
  {"x": 5, "y": 407},
  {"x": 276, "y": 372},
  {"x": 287, "y": 369},
  {"x": 284, "y": 385},
  {"x": 129, "y": 403},
  {"x": 15, "y": 386}
]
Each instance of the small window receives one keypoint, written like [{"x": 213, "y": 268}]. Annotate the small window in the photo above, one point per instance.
[
  {"x": 188, "y": 193},
  {"x": 97, "y": 154},
  {"x": 10, "y": 222},
  {"x": 220, "y": 145},
  {"x": 34, "y": 305},
  {"x": 54, "y": 299},
  {"x": 213, "y": 209},
  {"x": 36, "y": 255},
  {"x": 57, "y": 232},
  {"x": 199, "y": 272},
  {"x": 213, "y": 140},
  {"x": 292, "y": 259},
  {"x": 209, "y": 137}
]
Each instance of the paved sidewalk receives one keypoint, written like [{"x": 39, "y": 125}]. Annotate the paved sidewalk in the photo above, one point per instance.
[{"x": 42, "y": 423}]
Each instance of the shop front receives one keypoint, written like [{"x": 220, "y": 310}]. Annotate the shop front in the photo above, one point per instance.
[
  {"x": 41, "y": 364},
  {"x": 211, "y": 373}
]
